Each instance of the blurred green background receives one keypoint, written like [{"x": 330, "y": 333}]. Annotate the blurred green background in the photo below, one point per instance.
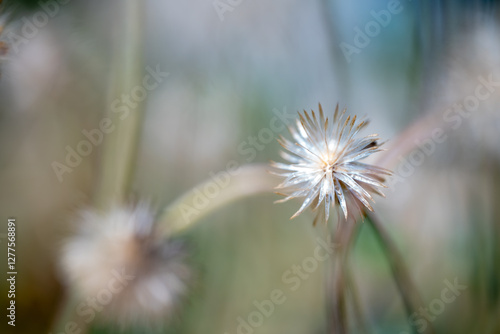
[{"x": 228, "y": 71}]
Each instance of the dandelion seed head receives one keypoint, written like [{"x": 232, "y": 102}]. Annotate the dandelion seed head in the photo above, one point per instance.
[
  {"x": 121, "y": 242},
  {"x": 323, "y": 164}
]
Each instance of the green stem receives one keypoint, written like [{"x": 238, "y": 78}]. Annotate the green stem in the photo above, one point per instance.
[
  {"x": 361, "y": 322},
  {"x": 401, "y": 274},
  {"x": 120, "y": 150},
  {"x": 360, "y": 318}
]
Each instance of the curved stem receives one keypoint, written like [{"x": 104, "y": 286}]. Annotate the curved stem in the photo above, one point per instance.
[
  {"x": 361, "y": 321},
  {"x": 230, "y": 186},
  {"x": 420, "y": 130},
  {"x": 406, "y": 141},
  {"x": 406, "y": 287}
]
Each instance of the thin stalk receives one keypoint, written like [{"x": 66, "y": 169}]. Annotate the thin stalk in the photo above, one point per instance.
[
  {"x": 337, "y": 304},
  {"x": 406, "y": 287},
  {"x": 120, "y": 146},
  {"x": 336, "y": 280},
  {"x": 198, "y": 202},
  {"x": 361, "y": 322},
  {"x": 420, "y": 130}
]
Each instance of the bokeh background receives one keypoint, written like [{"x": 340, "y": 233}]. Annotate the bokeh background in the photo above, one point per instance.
[{"x": 229, "y": 71}]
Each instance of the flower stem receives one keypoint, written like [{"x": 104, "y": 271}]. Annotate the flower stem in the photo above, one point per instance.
[
  {"x": 120, "y": 146},
  {"x": 406, "y": 287},
  {"x": 337, "y": 277},
  {"x": 190, "y": 208}
]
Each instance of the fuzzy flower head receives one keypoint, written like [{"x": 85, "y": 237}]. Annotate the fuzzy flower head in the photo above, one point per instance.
[
  {"x": 324, "y": 164},
  {"x": 116, "y": 259}
]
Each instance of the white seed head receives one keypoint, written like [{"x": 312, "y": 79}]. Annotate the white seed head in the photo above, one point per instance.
[
  {"x": 116, "y": 259},
  {"x": 324, "y": 164}
]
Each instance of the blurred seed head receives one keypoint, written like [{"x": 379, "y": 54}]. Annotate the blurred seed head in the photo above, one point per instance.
[{"x": 122, "y": 242}]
